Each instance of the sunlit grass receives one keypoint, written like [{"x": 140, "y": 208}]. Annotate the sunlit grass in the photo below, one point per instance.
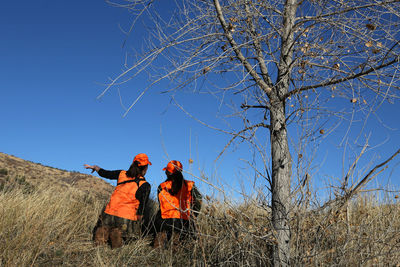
[{"x": 49, "y": 227}]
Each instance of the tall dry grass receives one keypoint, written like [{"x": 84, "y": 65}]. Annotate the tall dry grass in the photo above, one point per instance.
[
  {"x": 45, "y": 225},
  {"x": 364, "y": 233},
  {"x": 49, "y": 227}
]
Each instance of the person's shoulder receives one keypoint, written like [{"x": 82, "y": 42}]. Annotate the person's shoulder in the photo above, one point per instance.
[
  {"x": 191, "y": 183},
  {"x": 143, "y": 182},
  {"x": 165, "y": 183}
]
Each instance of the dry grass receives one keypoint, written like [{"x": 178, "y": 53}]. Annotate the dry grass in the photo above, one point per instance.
[
  {"x": 366, "y": 233},
  {"x": 41, "y": 228},
  {"x": 43, "y": 225},
  {"x": 36, "y": 174}
]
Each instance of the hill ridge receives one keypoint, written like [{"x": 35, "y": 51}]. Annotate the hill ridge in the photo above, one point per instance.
[{"x": 17, "y": 170}]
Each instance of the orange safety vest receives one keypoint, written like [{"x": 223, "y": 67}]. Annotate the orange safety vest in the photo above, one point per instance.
[
  {"x": 177, "y": 206},
  {"x": 123, "y": 202}
]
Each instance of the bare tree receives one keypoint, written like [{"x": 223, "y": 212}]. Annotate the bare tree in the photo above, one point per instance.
[{"x": 291, "y": 61}]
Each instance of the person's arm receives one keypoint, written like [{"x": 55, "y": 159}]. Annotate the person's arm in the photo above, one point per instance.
[
  {"x": 112, "y": 175},
  {"x": 142, "y": 194},
  {"x": 197, "y": 200},
  {"x": 158, "y": 193}
]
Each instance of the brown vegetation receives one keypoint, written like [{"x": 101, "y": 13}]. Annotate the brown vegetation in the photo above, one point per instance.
[
  {"x": 18, "y": 172},
  {"x": 40, "y": 228}
]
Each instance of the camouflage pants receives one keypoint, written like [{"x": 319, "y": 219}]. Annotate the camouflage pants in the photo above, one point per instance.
[{"x": 115, "y": 230}]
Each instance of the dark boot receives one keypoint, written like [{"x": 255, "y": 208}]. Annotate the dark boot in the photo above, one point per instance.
[
  {"x": 116, "y": 238},
  {"x": 160, "y": 239},
  {"x": 101, "y": 235},
  {"x": 175, "y": 242}
]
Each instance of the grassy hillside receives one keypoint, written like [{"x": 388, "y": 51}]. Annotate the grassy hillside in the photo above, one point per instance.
[
  {"x": 41, "y": 228},
  {"x": 29, "y": 175}
]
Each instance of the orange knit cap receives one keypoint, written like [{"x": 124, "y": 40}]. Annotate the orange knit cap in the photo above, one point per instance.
[
  {"x": 173, "y": 166},
  {"x": 143, "y": 159}
]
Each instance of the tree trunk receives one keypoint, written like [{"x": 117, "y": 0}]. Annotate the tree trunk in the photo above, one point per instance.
[
  {"x": 281, "y": 159},
  {"x": 281, "y": 175},
  {"x": 280, "y": 156}
]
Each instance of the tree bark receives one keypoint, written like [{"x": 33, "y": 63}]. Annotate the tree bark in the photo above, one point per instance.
[
  {"x": 281, "y": 175},
  {"x": 280, "y": 155}
]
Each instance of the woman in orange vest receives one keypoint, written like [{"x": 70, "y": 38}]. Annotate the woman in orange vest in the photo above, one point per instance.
[
  {"x": 122, "y": 217},
  {"x": 179, "y": 201}
]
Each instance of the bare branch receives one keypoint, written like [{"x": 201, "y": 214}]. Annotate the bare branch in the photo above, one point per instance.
[
  {"x": 238, "y": 53},
  {"x": 355, "y": 188},
  {"x": 257, "y": 46},
  {"x": 341, "y": 80},
  {"x": 341, "y": 201},
  {"x": 348, "y": 9},
  {"x": 238, "y": 134}
]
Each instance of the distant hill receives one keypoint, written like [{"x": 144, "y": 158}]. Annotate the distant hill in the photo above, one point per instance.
[{"x": 30, "y": 175}]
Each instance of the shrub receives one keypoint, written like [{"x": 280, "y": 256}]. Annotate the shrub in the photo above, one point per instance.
[
  {"x": 18, "y": 182},
  {"x": 3, "y": 172}
]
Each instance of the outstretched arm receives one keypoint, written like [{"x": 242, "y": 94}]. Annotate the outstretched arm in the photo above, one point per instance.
[{"x": 112, "y": 175}]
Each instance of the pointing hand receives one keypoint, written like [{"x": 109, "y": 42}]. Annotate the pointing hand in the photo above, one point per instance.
[{"x": 92, "y": 167}]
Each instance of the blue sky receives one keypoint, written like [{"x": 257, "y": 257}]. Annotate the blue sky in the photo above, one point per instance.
[{"x": 55, "y": 57}]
